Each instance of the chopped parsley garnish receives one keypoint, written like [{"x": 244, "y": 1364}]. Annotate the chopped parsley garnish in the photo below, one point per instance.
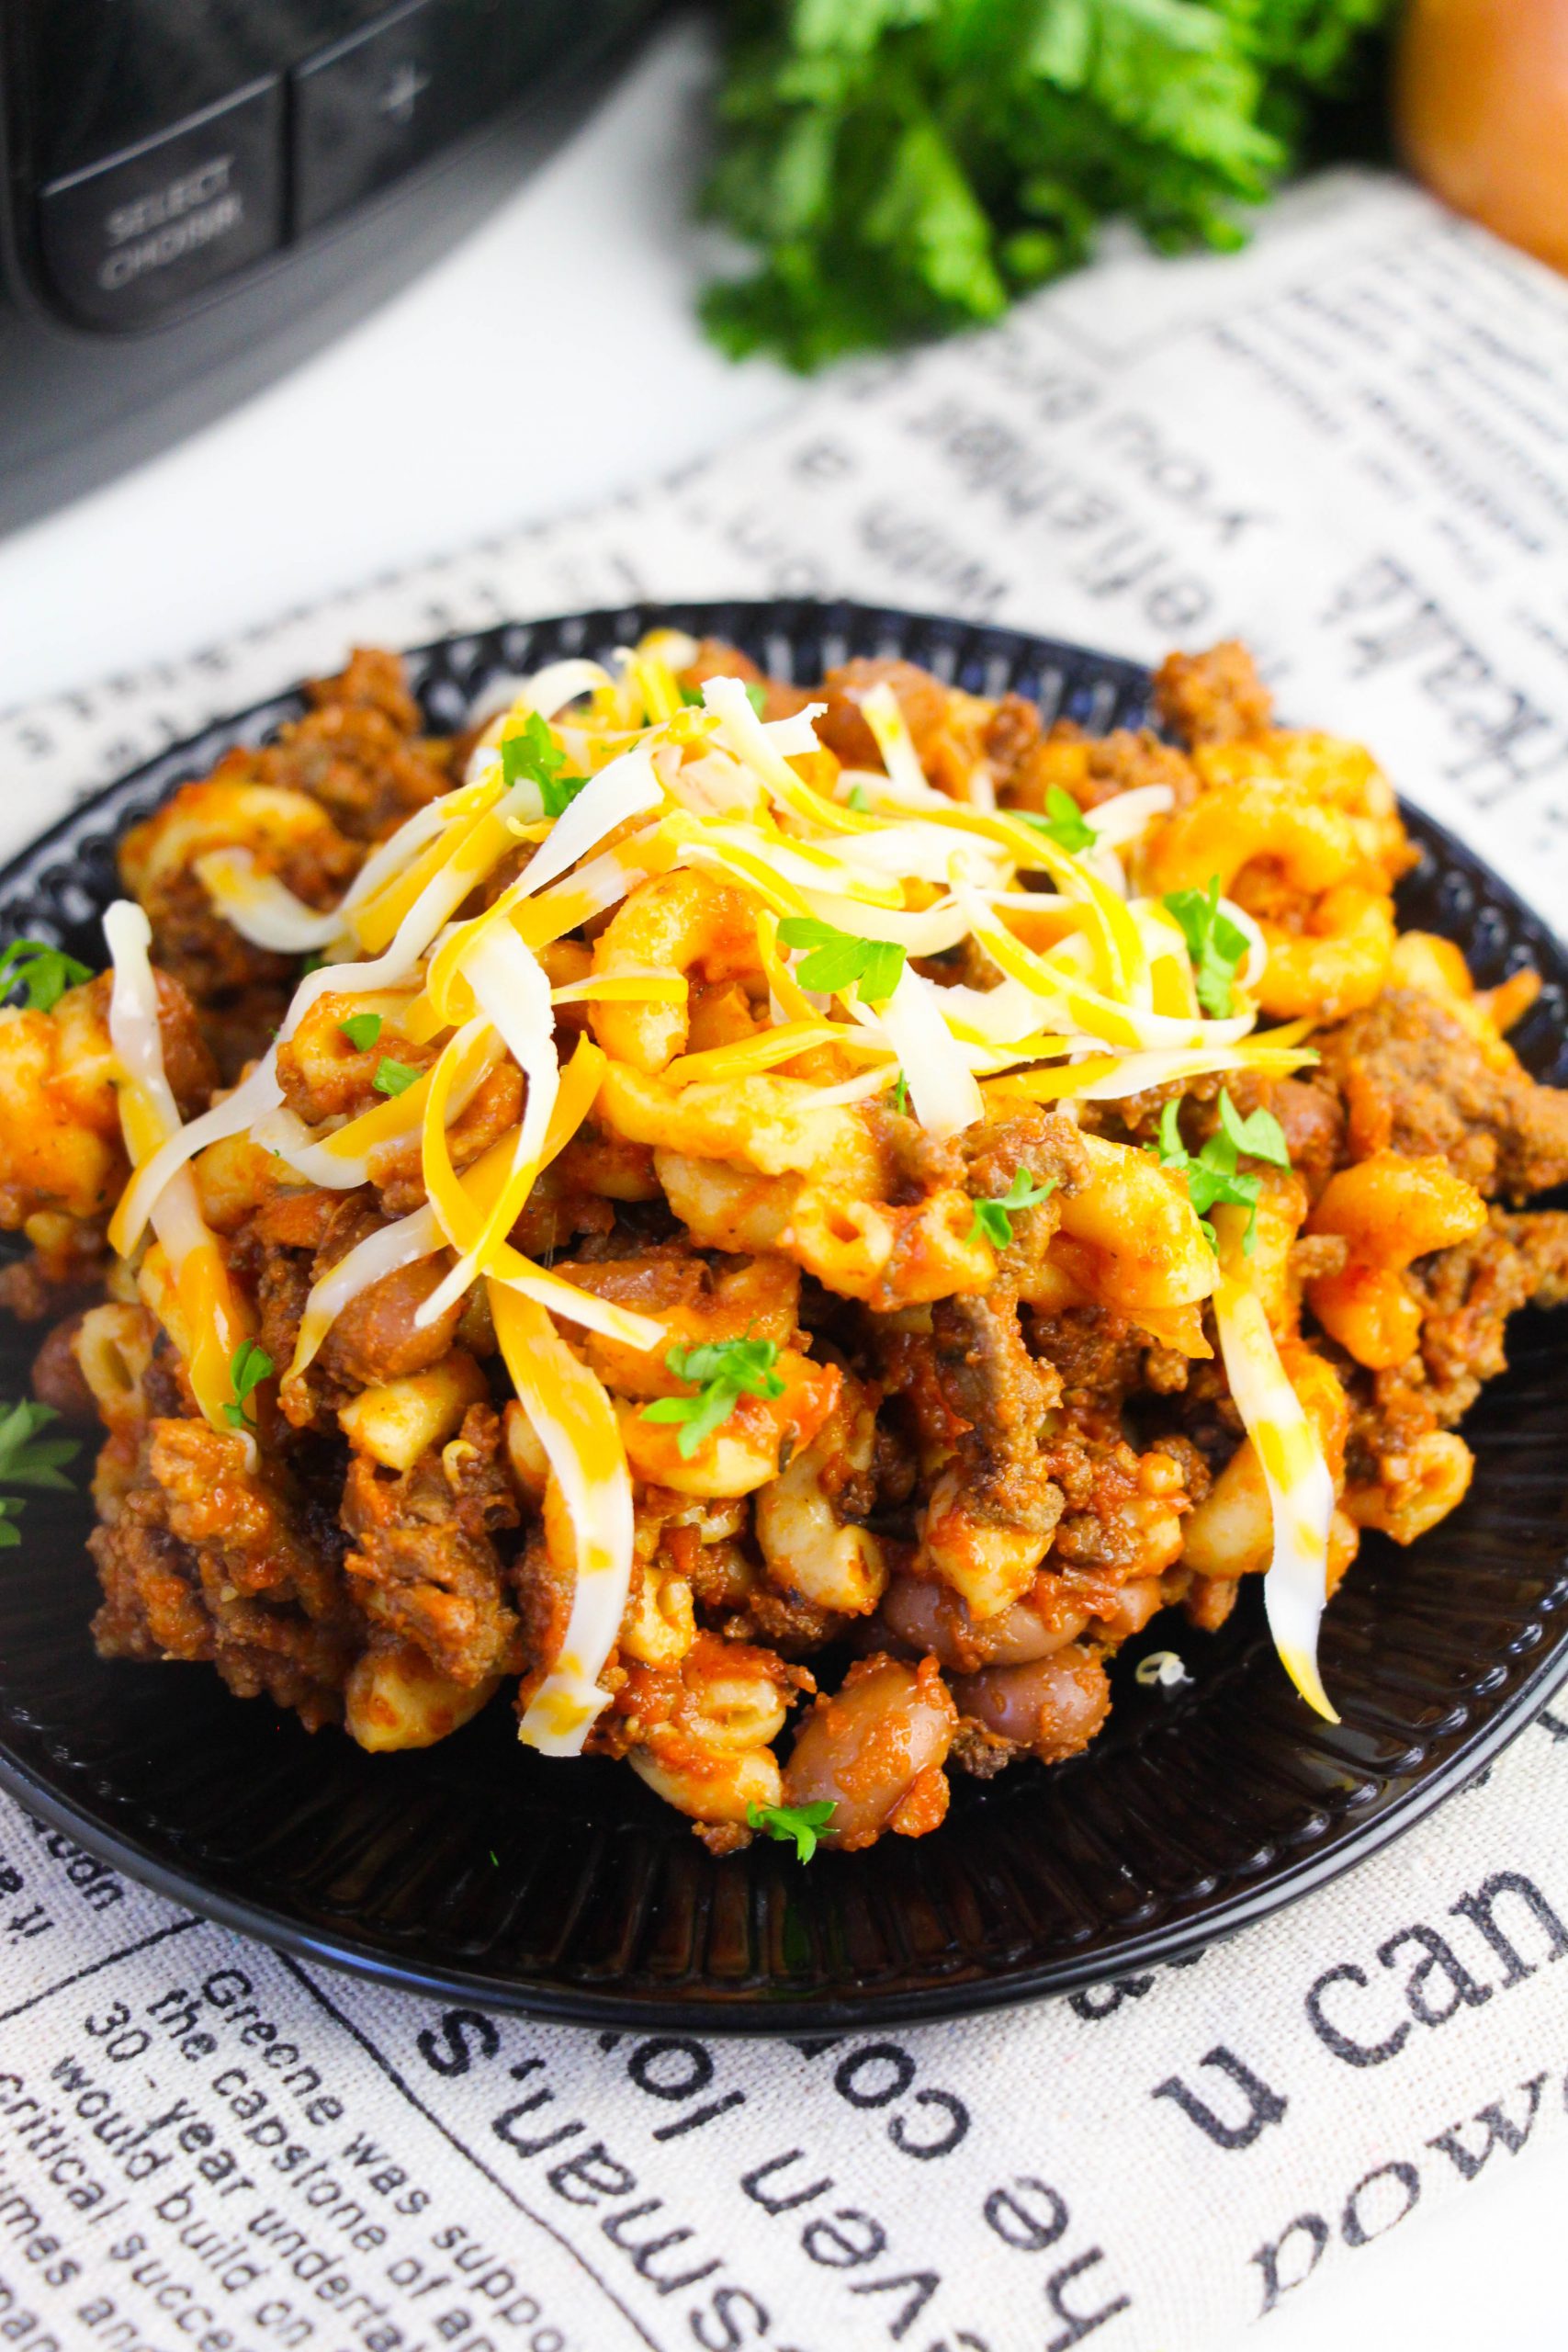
[
  {"x": 248, "y": 1367},
  {"x": 993, "y": 1219},
  {"x": 533, "y": 756},
  {"x": 1213, "y": 1178},
  {"x": 361, "y": 1029},
  {"x": 313, "y": 962},
  {"x": 756, "y": 694},
  {"x": 858, "y": 799},
  {"x": 29, "y": 1460},
  {"x": 838, "y": 961},
  {"x": 801, "y": 1822},
  {"x": 558, "y": 793},
  {"x": 26, "y": 1459},
  {"x": 44, "y": 971},
  {"x": 901, "y": 1094},
  {"x": 1216, "y": 946},
  {"x": 1260, "y": 1135},
  {"x": 1064, "y": 821},
  {"x": 721, "y": 1371},
  {"x": 394, "y": 1078}
]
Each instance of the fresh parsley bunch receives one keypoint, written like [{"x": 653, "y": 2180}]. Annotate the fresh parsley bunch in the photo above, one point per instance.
[{"x": 906, "y": 166}]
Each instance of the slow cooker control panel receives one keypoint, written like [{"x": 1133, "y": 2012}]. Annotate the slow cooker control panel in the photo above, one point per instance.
[{"x": 206, "y": 136}]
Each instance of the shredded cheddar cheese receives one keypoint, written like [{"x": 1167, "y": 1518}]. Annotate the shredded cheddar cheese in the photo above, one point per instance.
[{"x": 1092, "y": 997}]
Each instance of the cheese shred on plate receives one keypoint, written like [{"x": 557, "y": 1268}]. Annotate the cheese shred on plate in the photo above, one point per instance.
[{"x": 591, "y": 780}]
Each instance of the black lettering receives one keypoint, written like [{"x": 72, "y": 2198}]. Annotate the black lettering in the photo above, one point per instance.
[
  {"x": 860, "y": 2239},
  {"x": 504, "y": 2127},
  {"x": 922, "y": 2286},
  {"x": 1078, "y": 2324},
  {"x": 1356, "y": 2231},
  {"x": 1314, "y": 2229},
  {"x": 955, "y": 2128},
  {"x": 1355, "y": 2053},
  {"x": 451, "y": 2047},
  {"x": 707, "y": 2113},
  {"x": 1498, "y": 2127},
  {"x": 1008, "y": 2215},
  {"x": 1098, "y": 2001},
  {"x": 1479, "y": 1909},
  {"x": 695, "y": 2073},
  {"x": 1441, "y": 1961},
  {"x": 225, "y": 1987},
  {"x": 614, "y": 2226},
  {"x": 846, "y": 2075},
  {"x": 174, "y": 2009},
  {"x": 595, "y": 2172},
  {"x": 1264, "y": 2105},
  {"x": 751, "y": 2182},
  {"x": 728, "y": 2302}
]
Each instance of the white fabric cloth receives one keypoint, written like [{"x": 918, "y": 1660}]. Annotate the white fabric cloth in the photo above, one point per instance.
[{"x": 1346, "y": 447}]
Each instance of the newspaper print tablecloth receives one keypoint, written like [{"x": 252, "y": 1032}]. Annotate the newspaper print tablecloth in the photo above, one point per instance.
[{"x": 1349, "y": 447}]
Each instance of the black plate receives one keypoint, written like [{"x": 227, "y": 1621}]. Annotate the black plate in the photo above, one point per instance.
[{"x": 568, "y": 1889}]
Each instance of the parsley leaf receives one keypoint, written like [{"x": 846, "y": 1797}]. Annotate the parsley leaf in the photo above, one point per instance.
[
  {"x": 394, "y": 1078},
  {"x": 361, "y": 1029},
  {"x": 1064, "y": 821},
  {"x": 45, "y": 972},
  {"x": 901, "y": 1094},
  {"x": 837, "y": 961},
  {"x": 800, "y": 1822},
  {"x": 26, "y": 1459},
  {"x": 557, "y": 793},
  {"x": 722, "y": 1371},
  {"x": 533, "y": 756},
  {"x": 1260, "y": 1136},
  {"x": 756, "y": 694},
  {"x": 1216, "y": 946},
  {"x": 1213, "y": 1178},
  {"x": 248, "y": 1367},
  {"x": 859, "y": 801},
  {"x": 993, "y": 1219},
  {"x": 313, "y": 962}
]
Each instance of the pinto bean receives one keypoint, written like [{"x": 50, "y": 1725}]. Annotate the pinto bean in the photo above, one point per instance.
[
  {"x": 926, "y": 1617},
  {"x": 874, "y": 1750},
  {"x": 376, "y": 1338},
  {"x": 57, "y": 1376},
  {"x": 922, "y": 698},
  {"x": 1134, "y": 1604},
  {"x": 1053, "y": 1706}
]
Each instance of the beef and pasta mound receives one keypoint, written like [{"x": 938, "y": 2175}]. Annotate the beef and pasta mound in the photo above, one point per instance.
[{"x": 767, "y": 1228}]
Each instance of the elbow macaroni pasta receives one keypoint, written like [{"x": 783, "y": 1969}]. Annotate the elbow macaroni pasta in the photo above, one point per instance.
[{"x": 688, "y": 1174}]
